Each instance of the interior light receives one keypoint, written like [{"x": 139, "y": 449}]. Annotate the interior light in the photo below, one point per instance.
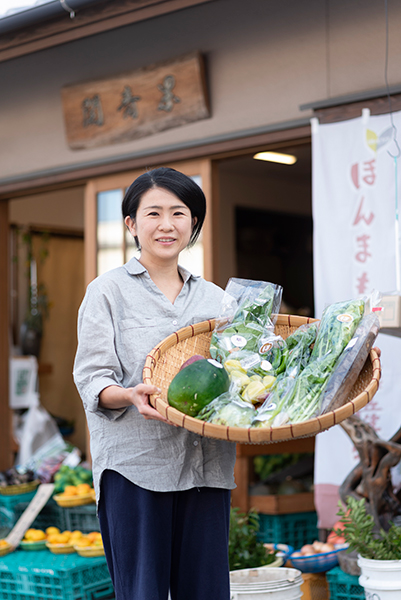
[{"x": 277, "y": 157}]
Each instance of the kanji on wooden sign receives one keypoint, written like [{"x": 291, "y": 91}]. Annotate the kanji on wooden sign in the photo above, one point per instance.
[{"x": 136, "y": 104}]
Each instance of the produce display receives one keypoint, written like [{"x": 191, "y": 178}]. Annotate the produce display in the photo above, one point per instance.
[
  {"x": 68, "y": 476},
  {"x": 274, "y": 381},
  {"x": 15, "y": 476}
]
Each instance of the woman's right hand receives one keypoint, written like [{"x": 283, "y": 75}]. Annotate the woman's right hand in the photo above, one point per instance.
[{"x": 139, "y": 396}]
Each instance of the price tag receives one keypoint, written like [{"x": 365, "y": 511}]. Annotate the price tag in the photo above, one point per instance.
[{"x": 42, "y": 495}]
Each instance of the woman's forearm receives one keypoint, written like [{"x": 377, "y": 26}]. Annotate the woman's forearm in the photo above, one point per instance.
[{"x": 115, "y": 396}]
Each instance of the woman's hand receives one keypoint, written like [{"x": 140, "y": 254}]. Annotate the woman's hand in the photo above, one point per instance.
[
  {"x": 115, "y": 396},
  {"x": 139, "y": 396}
]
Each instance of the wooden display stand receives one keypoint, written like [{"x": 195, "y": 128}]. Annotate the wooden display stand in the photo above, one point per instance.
[{"x": 274, "y": 504}]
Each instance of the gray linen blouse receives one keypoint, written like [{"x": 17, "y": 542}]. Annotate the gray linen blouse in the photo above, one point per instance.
[{"x": 122, "y": 317}]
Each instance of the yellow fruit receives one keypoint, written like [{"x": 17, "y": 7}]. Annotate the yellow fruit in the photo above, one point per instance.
[
  {"x": 28, "y": 534},
  {"x": 37, "y": 535},
  {"x": 70, "y": 490},
  {"x": 3, "y": 543},
  {"x": 94, "y": 535},
  {"x": 53, "y": 538},
  {"x": 83, "y": 488},
  {"x": 83, "y": 542},
  {"x": 63, "y": 538},
  {"x": 98, "y": 543},
  {"x": 75, "y": 535},
  {"x": 52, "y": 530}
]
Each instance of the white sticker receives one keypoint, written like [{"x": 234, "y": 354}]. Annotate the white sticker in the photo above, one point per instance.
[
  {"x": 266, "y": 365},
  {"x": 351, "y": 343},
  {"x": 345, "y": 318},
  {"x": 214, "y": 363},
  {"x": 266, "y": 347},
  {"x": 271, "y": 406},
  {"x": 238, "y": 341}
]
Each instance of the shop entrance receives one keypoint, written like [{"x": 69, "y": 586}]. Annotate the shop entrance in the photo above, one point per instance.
[{"x": 268, "y": 210}]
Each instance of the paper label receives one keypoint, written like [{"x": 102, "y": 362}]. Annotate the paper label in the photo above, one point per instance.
[
  {"x": 345, "y": 318},
  {"x": 266, "y": 365},
  {"x": 266, "y": 347},
  {"x": 249, "y": 362},
  {"x": 238, "y": 341}
]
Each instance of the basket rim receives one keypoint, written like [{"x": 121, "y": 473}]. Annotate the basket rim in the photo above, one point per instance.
[{"x": 251, "y": 435}]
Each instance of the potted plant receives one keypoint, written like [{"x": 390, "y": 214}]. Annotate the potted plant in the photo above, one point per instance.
[
  {"x": 379, "y": 551},
  {"x": 245, "y": 550}
]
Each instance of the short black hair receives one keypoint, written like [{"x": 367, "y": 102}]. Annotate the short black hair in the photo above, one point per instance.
[{"x": 173, "y": 181}]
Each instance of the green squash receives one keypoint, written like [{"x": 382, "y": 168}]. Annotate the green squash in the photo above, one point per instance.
[{"x": 196, "y": 385}]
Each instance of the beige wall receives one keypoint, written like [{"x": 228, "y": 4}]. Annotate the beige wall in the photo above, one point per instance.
[{"x": 264, "y": 60}]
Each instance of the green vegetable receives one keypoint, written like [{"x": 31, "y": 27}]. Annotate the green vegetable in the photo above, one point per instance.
[
  {"x": 197, "y": 385},
  {"x": 245, "y": 551},
  {"x": 338, "y": 324},
  {"x": 229, "y": 410},
  {"x": 71, "y": 476},
  {"x": 259, "y": 310}
]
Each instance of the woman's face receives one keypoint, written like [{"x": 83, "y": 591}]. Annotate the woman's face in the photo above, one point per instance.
[{"x": 163, "y": 225}]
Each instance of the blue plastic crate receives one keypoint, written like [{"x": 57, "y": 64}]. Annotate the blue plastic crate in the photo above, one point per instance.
[
  {"x": 83, "y": 518},
  {"x": 294, "y": 529},
  {"x": 343, "y": 586},
  {"x": 51, "y": 515},
  {"x": 9, "y": 513},
  {"x": 42, "y": 575}
]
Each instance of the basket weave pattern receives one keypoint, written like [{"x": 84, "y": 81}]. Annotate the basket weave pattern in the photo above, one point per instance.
[{"x": 164, "y": 362}]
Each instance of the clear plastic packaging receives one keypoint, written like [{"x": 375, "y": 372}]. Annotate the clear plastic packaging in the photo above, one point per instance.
[{"x": 350, "y": 364}]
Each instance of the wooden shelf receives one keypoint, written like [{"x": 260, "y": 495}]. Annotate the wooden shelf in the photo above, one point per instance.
[
  {"x": 283, "y": 504},
  {"x": 266, "y": 504}
]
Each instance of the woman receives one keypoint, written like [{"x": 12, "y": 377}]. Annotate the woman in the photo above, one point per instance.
[{"x": 163, "y": 493}]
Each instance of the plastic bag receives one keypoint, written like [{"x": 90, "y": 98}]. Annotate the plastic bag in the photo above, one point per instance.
[
  {"x": 350, "y": 364},
  {"x": 246, "y": 314},
  {"x": 228, "y": 409},
  {"x": 38, "y": 428}
]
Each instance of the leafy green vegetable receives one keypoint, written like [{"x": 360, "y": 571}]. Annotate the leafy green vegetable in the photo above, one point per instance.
[
  {"x": 301, "y": 401},
  {"x": 228, "y": 409}
]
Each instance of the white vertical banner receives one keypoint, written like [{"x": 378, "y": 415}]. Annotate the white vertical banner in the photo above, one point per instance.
[{"x": 354, "y": 227}]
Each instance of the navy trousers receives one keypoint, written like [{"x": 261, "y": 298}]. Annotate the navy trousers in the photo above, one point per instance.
[{"x": 160, "y": 541}]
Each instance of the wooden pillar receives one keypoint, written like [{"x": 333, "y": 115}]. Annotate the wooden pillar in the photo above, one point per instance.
[{"x": 5, "y": 413}]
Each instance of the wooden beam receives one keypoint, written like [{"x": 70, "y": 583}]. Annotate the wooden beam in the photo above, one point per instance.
[
  {"x": 215, "y": 150},
  {"x": 87, "y": 22},
  {"x": 5, "y": 413},
  {"x": 343, "y": 112}
]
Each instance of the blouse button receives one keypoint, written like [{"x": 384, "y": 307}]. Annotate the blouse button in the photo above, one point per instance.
[
  {"x": 196, "y": 443},
  {"x": 175, "y": 322}
]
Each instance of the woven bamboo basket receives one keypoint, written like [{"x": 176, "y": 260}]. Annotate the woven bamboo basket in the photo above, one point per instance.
[
  {"x": 164, "y": 362},
  {"x": 78, "y": 500},
  {"x": 89, "y": 551},
  {"x": 19, "y": 488}
]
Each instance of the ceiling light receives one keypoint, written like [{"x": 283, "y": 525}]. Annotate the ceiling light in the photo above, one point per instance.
[{"x": 277, "y": 157}]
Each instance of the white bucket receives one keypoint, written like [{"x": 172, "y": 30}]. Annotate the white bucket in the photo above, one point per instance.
[
  {"x": 266, "y": 584},
  {"x": 381, "y": 579}
]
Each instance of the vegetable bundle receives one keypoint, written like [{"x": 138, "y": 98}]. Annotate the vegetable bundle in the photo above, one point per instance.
[{"x": 276, "y": 381}]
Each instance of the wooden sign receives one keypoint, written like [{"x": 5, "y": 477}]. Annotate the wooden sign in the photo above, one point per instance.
[
  {"x": 136, "y": 104},
  {"x": 41, "y": 497}
]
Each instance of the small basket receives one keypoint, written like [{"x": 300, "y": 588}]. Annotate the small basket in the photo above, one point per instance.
[
  {"x": 81, "y": 500},
  {"x": 164, "y": 362},
  {"x": 60, "y": 548},
  {"x": 6, "y": 549},
  {"x": 39, "y": 545},
  {"x": 89, "y": 551},
  {"x": 317, "y": 563},
  {"x": 20, "y": 488}
]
